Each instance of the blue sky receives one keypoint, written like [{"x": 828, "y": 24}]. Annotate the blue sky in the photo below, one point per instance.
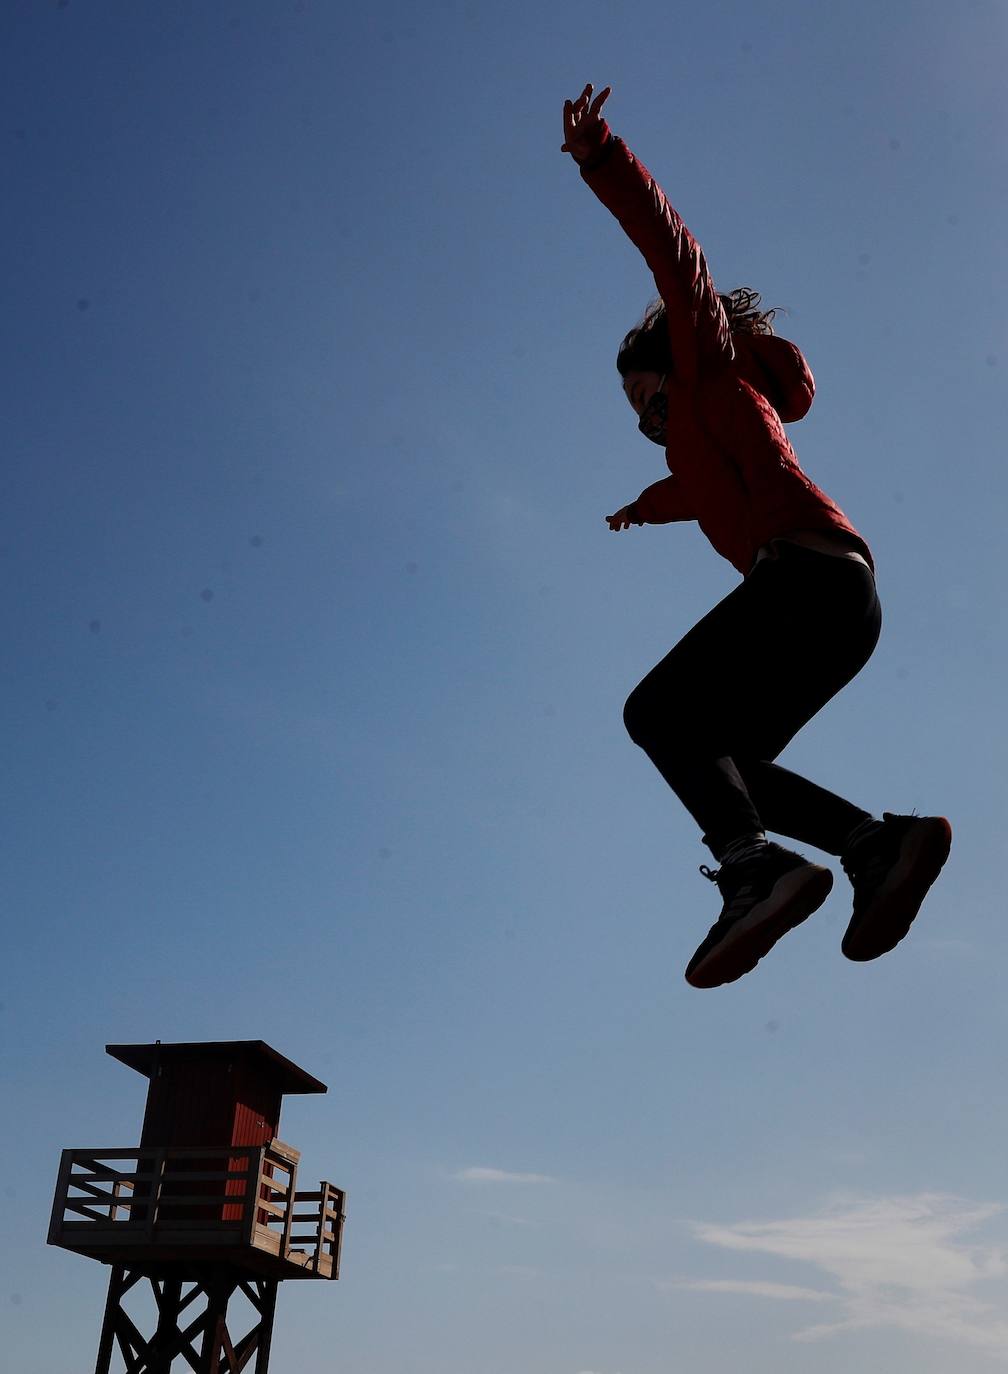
[{"x": 317, "y": 645}]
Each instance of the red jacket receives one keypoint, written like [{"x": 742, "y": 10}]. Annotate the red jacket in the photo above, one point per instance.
[{"x": 733, "y": 468}]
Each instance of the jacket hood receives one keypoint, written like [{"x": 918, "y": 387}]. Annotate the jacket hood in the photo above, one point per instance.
[{"x": 777, "y": 369}]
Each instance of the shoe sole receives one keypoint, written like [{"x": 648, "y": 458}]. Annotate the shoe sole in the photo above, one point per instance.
[
  {"x": 793, "y": 899},
  {"x": 890, "y": 916}
]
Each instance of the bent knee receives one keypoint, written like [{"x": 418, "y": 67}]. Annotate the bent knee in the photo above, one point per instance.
[{"x": 639, "y": 715}]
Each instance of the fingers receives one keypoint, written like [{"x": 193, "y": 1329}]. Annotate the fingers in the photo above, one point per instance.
[
  {"x": 599, "y": 101},
  {"x": 585, "y": 102},
  {"x": 575, "y": 109},
  {"x": 572, "y": 116}
]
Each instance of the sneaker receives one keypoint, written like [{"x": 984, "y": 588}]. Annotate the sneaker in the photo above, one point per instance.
[
  {"x": 891, "y": 870},
  {"x": 764, "y": 898}
]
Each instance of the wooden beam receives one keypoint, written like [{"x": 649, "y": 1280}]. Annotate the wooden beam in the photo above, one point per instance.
[
  {"x": 59, "y": 1197},
  {"x": 106, "y": 1342},
  {"x": 268, "y": 1309}
]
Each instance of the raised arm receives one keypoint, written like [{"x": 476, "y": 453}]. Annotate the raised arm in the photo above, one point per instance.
[{"x": 698, "y": 326}]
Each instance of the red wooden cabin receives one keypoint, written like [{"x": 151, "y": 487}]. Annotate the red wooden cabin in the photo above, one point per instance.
[{"x": 225, "y": 1092}]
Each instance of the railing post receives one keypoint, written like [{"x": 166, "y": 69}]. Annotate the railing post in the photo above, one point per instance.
[
  {"x": 323, "y": 1204},
  {"x": 157, "y": 1183},
  {"x": 253, "y": 1190},
  {"x": 289, "y": 1212},
  {"x": 338, "y": 1232},
  {"x": 60, "y": 1196}
]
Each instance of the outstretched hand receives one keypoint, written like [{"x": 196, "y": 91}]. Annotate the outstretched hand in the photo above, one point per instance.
[
  {"x": 623, "y": 518},
  {"x": 583, "y": 124}
]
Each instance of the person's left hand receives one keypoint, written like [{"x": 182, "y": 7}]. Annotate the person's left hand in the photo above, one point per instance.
[{"x": 623, "y": 519}]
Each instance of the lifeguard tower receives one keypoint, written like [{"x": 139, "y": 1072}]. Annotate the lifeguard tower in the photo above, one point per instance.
[{"x": 204, "y": 1208}]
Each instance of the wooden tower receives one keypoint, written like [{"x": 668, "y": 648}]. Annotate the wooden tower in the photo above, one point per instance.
[{"x": 204, "y": 1210}]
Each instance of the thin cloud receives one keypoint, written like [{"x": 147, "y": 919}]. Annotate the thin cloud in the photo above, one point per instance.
[
  {"x": 788, "y": 1292},
  {"x": 947, "y": 945},
  {"x": 506, "y": 1219},
  {"x": 895, "y": 1262},
  {"x": 519, "y": 1271},
  {"x": 484, "y": 1175}
]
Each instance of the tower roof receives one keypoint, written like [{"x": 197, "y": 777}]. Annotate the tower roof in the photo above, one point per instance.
[{"x": 146, "y": 1058}]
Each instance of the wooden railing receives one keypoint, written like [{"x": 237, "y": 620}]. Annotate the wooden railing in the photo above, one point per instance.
[
  {"x": 194, "y": 1197},
  {"x": 324, "y": 1236}
]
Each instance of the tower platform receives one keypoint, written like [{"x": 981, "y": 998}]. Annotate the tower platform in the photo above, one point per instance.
[{"x": 157, "y": 1208}]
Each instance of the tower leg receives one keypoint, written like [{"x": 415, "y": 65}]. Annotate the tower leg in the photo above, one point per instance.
[
  {"x": 106, "y": 1343},
  {"x": 165, "y": 1345},
  {"x": 216, "y": 1340},
  {"x": 268, "y": 1310}
]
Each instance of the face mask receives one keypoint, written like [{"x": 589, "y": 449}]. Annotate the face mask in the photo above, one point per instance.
[{"x": 653, "y": 420}]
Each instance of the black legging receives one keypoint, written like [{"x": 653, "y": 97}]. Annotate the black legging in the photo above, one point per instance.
[{"x": 718, "y": 709}]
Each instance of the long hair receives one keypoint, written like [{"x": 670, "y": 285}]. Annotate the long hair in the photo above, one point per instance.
[{"x": 646, "y": 347}]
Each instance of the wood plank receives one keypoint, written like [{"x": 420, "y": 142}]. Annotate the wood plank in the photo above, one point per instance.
[
  {"x": 268, "y": 1309},
  {"x": 99, "y": 1196},
  {"x": 281, "y": 1189},
  {"x": 289, "y": 1207},
  {"x": 191, "y": 1296},
  {"x": 89, "y": 1158},
  {"x": 99, "y": 1174},
  {"x": 252, "y": 1198},
  {"x": 106, "y": 1342},
  {"x": 233, "y": 1366},
  {"x": 59, "y": 1196},
  {"x": 169, "y": 1202},
  {"x": 288, "y": 1152},
  {"x": 83, "y": 1209},
  {"x": 224, "y": 1232},
  {"x": 131, "y": 1343},
  {"x": 91, "y": 1155},
  {"x": 152, "y": 1208},
  {"x": 247, "y": 1347},
  {"x": 253, "y": 1294},
  {"x": 101, "y": 1228},
  {"x": 266, "y": 1240},
  {"x": 327, "y": 1192},
  {"x": 222, "y": 1176},
  {"x": 188, "y": 1353},
  {"x": 273, "y": 1214}
]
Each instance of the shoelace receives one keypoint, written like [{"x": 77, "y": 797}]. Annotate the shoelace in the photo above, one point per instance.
[
  {"x": 740, "y": 898},
  {"x": 873, "y": 863},
  {"x": 867, "y": 867},
  {"x": 868, "y": 876}
]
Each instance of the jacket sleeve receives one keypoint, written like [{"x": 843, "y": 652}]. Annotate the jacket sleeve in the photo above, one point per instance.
[
  {"x": 661, "y": 503},
  {"x": 698, "y": 326}
]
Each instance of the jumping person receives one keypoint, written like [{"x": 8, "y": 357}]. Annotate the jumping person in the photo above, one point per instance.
[{"x": 713, "y": 385}]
